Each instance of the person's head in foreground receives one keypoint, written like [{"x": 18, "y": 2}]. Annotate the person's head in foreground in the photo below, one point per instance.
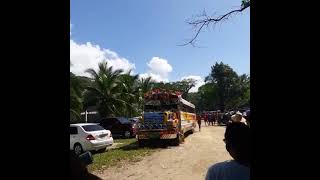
[
  {"x": 238, "y": 117},
  {"x": 78, "y": 169},
  {"x": 237, "y": 137}
]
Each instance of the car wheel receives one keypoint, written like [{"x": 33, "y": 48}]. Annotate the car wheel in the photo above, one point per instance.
[
  {"x": 127, "y": 134},
  {"x": 77, "y": 149}
]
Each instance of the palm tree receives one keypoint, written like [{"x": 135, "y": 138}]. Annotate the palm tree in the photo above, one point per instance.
[
  {"x": 75, "y": 98},
  {"x": 130, "y": 93},
  {"x": 146, "y": 84},
  {"x": 106, "y": 87}
]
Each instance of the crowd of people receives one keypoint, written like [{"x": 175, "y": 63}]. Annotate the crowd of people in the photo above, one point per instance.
[{"x": 216, "y": 118}]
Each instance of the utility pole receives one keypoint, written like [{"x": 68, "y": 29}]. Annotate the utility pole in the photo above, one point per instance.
[{"x": 86, "y": 114}]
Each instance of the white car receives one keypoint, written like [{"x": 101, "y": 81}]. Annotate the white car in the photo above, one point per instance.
[{"x": 89, "y": 137}]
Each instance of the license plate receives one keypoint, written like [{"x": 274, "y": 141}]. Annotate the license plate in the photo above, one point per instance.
[
  {"x": 154, "y": 135},
  {"x": 103, "y": 135}
]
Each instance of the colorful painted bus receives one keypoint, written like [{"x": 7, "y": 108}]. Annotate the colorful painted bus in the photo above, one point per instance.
[{"x": 166, "y": 116}]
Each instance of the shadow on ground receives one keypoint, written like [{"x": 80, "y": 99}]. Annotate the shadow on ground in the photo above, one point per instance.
[{"x": 153, "y": 144}]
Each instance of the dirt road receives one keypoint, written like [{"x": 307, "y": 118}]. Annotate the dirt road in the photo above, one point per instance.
[{"x": 189, "y": 161}]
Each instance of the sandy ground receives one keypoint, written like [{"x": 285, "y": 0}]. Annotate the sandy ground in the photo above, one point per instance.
[{"x": 189, "y": 161}]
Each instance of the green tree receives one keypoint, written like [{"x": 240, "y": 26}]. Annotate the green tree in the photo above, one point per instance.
[
  {"x": 208, "y": 97},
  {"x": 224, "y": 77},
  {"x": 130, "y": 94},
  {"x": 106, "y": 88},
  {"x": 146, "y": 84},
  {"x": 88, "y": 98},
  {"x": 183, "y": 86},
  {"x": 76, "y": 88},
  {"x": 240, "y": 93}
]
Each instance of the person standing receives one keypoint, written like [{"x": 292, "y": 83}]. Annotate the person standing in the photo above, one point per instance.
[
  {"x": 210, "y": 118},
  {"x": 236, "y": 138},
  {"x": 206, "y": 118},
  {"x": 214, "y": 118},
  {"x": 199, "y": 122}
]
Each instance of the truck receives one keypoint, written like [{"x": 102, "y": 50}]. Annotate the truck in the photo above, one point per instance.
[{"x": 166, "y": 117}]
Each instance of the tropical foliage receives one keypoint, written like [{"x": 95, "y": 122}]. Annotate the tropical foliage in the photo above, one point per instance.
[
  {"x": 224, "y": 89},
  {"x": 117, "y": 93}
]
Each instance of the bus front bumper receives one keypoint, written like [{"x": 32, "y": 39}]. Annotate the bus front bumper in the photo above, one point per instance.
[{"x": 157, "y": 135}]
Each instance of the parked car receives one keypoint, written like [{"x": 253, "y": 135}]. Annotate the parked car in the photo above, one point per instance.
[
  {"x": 119, "y": 126},
  {"x": 89, "y": 137},
  {"x": 134, "y": 120}
]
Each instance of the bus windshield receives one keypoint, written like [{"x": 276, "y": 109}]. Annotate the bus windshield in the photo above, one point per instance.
[{"x": 160, "y": 107}]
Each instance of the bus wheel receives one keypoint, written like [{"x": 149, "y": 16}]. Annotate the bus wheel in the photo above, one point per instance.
[
  {"x": 192, "y": 130},
  {"x": 181, "y": 138},
  {"x": 141, "y": 142},
  {"x": 176, "y": 141}
]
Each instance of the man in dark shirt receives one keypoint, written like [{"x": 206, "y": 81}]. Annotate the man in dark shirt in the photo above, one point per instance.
[{"x": 237, "y": 144}]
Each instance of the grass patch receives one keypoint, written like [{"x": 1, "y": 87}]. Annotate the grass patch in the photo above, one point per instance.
[
  {"x": 128, "y": 151},
  {"x": 125, "y": 141}
]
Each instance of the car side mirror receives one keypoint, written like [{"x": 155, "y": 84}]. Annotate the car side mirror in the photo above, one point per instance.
[{"x": 86, "y": 158}]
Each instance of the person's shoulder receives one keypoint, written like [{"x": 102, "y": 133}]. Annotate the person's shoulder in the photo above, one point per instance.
[
  {"x": 221, "y": 164},
  {"x": 218, "y": 167},
  {"x": 216, "y": 170},
  {"x": 228, "y": 170}
]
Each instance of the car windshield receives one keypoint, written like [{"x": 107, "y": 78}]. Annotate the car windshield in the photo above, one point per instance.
[
  {"x": 124, "y": 120},
  {"x": 90, "y": 128},
  {"x": 133, "y": 119}
]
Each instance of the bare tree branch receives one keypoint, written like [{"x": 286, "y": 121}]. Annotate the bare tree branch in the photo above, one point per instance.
[{"x": 206, "y": 20}]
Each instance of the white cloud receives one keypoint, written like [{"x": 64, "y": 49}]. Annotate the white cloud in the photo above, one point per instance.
[
  {"x": 143, "y": 75},
  {"x": 154, "y": 77},
  {"x": 199, "y": 82},
  {"x": 160, "y": 66},
  {"x": 159, "y": 70},
  {"x": 88, "y": 55}
]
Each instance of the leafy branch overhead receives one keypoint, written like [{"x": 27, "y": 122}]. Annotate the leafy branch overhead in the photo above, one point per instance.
[{"x": 205, "y": 20}]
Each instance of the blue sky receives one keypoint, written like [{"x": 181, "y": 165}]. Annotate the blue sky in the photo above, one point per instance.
[{"x": 144, "y": 34}]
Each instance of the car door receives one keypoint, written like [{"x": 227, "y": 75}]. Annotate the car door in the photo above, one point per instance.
[
  {"x": 107, "y": 124},
  {"x": 73, "y": 136},
  {"x": 110, "y": 124},
  {"x": 117, "y": 126}
]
